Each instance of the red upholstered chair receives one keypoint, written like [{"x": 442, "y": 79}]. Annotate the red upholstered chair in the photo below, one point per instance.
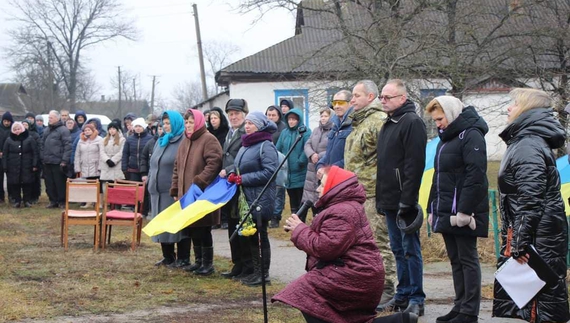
[
  {"x": 81, "y": 191},
  {"x": 123, "y": 193}
]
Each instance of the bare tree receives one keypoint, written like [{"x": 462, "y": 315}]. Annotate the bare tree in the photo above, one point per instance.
[
  {"x": 68, "y": 27},
  {"x": 188, "y": 94},
  {"x": 219, "y": 54}
]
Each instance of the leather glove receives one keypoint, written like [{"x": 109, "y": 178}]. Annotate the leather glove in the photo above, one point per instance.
[
  {"x": 407, "y": 213},
  {"x": 110, "y": 163},
  {"x": 233, "y": 178},
  {"x": 63, "y": 167}
]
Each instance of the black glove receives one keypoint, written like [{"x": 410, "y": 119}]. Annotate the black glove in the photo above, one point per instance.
[
  {"x": 110, "y": 163},
  {"x": 63, "y": 167},
  {"x": 407, "y": 213}
]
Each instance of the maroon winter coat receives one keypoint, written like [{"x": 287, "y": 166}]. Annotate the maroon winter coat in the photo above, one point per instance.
[{"x": 348, "y": 293}]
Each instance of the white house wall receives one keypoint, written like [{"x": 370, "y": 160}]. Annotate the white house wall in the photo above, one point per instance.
[{"x": 491, "y": 106}]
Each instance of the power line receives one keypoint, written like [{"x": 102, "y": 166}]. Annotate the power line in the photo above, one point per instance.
[{"x": 166, "y": 15}]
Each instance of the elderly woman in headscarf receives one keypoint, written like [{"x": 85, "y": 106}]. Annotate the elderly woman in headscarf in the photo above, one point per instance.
[
  {"x": 20, "y": 159},
  {"x": 159, "y": 182},
  {"x": 255, "y": 163},
  {"x": 458, "y": 206},
  {"x": 198, "y": 161}
]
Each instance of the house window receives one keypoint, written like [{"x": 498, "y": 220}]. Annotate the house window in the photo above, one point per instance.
[
  {"x": 300, "y": 99},
  {"x": 330, "y": 94},
  {"x": 431, "y": 93}
]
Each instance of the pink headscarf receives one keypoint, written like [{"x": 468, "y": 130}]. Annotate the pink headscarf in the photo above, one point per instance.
[{"x": 199, "y": 121}]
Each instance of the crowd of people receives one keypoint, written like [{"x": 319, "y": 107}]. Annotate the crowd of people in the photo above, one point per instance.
[{"x": 361, "y": 168}]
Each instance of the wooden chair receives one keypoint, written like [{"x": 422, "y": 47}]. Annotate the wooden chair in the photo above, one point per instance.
[
  {"x": 123, "y": 193},
  {"x": 81, "y": 191}
]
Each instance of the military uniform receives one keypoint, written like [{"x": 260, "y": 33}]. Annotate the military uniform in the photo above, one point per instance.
[{"x": 360, "y": 158}]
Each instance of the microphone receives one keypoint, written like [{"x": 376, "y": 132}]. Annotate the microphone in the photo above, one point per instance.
[
  {"x": 302, "y": 129},
  {"x": 302, "y": 212}
]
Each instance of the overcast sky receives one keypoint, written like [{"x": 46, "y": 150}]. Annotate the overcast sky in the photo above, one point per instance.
[{"x": 167, "y": 42}]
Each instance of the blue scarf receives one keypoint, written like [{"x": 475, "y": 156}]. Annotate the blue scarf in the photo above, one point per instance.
[{"x": 176, "y": 127}]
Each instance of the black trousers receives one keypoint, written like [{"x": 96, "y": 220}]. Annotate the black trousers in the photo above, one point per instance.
[
  {"x": 55, "y": 183},
  {"x": 15, "y": 191},
  {"x": 466, "y": 271},
  {"x": 37, "y": 184},
  {"x": 2, "y": 193},
  {"x": 295, "y": 197},
  {"x": 239, "y": 247}
]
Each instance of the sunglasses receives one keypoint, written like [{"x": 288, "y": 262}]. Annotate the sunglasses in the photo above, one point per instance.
[{"x": 339, "y": 102}]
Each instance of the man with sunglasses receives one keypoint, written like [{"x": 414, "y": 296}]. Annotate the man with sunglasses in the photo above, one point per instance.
[
  {"x": 401, "y": 160},
  {"x": 342, "y": 126},
  {"x": 360, "y": 158}
]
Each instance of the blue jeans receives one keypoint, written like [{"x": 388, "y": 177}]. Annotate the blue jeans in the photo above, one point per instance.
[
  {"x": 409, "y": 262},
  {"x": 279, "y": 202}
]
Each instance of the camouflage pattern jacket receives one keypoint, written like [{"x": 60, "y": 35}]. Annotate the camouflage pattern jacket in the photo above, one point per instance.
[{"x": 360, "y": 148}]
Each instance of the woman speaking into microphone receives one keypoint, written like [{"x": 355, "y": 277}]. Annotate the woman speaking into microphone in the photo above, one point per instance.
[{"x": 345, "y": 272}]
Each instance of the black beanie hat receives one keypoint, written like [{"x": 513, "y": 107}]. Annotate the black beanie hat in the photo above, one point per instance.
[
  {"x": 7, "y": 116},
  {"x": 115, "y": 125},
  {"x": 30, "y": 115}
]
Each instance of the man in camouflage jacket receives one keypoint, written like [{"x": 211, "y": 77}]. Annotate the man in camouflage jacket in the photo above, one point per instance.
[{"x": 360, "y": 158}]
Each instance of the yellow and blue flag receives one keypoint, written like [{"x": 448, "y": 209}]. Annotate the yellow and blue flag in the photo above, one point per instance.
[
  {"x": 425, "y": 188},
  {"x": 564, "y": 170},
  {"x": 191, "y": 207}
]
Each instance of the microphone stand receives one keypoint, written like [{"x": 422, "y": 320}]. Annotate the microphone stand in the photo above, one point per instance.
[{"x": 255, "y": 205}]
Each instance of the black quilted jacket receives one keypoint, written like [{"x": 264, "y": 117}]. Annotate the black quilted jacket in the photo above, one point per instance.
[{"x": 532, "y": 205}]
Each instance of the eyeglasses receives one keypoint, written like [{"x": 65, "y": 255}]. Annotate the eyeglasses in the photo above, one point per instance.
[
  {"x": 388, "y": 97},
  {"x": 339, "y": 102}
]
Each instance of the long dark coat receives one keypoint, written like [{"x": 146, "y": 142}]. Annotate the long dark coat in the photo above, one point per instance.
[
  {"x": 348, "y": 293},
  {"x": 20, "y": 156},
  {"x": 159, "y": 183},
  {"x": 198, "y": 161},
  {"x": 460, "y": 180},
  {"x": 532, "y": 205}
]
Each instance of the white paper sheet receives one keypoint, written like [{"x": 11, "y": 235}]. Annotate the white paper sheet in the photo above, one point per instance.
[{"x": 520, "y": 281}]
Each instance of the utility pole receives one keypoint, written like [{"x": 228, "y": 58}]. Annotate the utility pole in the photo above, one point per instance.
[
  {"x": 152, "y": 94},
  {"x": 50, "y": 77},
  {"x": 120, "y": 81},
  {"x": 135, "y": 89},
  {"x": 200, "y": 55}
]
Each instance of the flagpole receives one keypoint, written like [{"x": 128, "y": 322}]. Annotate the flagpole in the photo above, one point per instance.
[{"x": 254, "y": 205}]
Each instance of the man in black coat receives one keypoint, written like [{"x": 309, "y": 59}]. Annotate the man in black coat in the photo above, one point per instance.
[
  {"x": 55, "y": 151},
  {"x": 401, "y": 160},
  {"x": 237, "y": 110}
]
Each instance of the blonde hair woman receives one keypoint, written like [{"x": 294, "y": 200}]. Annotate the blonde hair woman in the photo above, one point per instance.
[{"x": 532, "y": 209}]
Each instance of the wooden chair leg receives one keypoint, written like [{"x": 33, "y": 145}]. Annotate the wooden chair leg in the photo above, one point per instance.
[
  {"x": 103, "y": 235},
  {"x": 109, "y": 228},
  {"x": 62, "y": 224}
]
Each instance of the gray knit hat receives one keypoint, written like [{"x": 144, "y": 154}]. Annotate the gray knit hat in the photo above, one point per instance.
[{"x": 258, "y": 119}]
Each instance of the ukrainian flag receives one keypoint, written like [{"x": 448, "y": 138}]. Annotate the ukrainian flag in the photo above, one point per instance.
[
  {"x": 191, "y": 207},
  {"x": 564, "y": 170},
  {"x": 425, "y": 188}
]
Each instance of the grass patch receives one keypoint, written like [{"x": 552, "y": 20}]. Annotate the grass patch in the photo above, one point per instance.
[{"x": 39, "y": 280}]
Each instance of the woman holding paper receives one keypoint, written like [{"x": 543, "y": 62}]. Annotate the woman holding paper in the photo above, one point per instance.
[
  {"x": 458, "y": 206},
  {"x": 532, "y": 209}
]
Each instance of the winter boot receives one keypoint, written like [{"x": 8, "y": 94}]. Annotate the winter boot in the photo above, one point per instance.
[
  {"x": 198, "y": 260},
  {"x": 183, "y": 254},
  {"x": 256, "y": 279},
  {"x": 168, "y": 255},
  {"x": 207, "y": 267}
]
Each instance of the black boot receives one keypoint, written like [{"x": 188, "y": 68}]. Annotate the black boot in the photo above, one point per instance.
[
  {"x": 198, "y": 259},
  {"x": 256, "y": 279},
  {"x": 207, "y": 267},
  {"x": 183, "y": 260},
  {"x": 235, "y": 271},
  {"x": 168, "y": 255}
]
